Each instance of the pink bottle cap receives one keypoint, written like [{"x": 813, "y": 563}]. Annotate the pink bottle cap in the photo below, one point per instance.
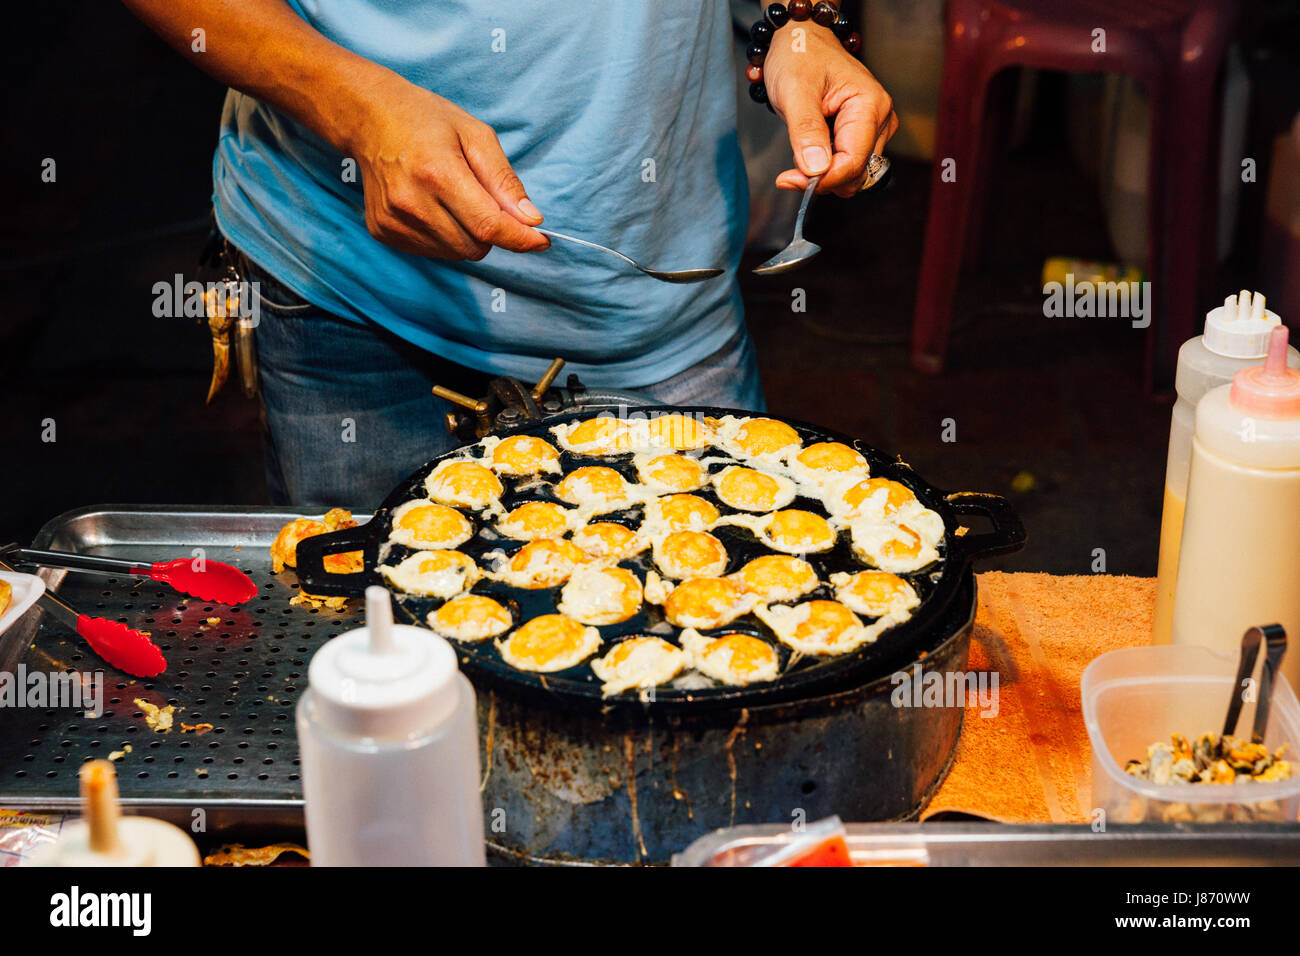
[{"x": 1270, "y": 390}]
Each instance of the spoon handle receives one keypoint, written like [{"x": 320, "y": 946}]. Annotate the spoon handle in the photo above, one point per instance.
[
  {"x": 803, "y": 206},
  {"x": 590, "y": 245}
]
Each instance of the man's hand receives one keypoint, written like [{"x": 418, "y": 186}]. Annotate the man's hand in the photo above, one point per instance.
[
  {"x": 436, "y": 181},
  {"x": 809, "y": 78}
]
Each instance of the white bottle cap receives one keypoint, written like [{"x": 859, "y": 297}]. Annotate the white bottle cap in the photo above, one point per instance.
[
  {"x": 144, "y": 842},
  {"x": 384, "y": 680},
  {"x": 1240, "y": 327},
  {"x": 105, "y": 838}
]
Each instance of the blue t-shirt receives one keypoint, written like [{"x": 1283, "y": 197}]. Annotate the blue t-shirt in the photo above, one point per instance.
[{"x": 618, "y": 116}]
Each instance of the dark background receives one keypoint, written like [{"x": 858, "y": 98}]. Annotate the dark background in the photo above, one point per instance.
[{"x": 1051, "y": 414}]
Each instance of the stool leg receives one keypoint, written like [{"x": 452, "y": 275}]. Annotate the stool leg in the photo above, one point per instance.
[
  {"x": 1157, "y": 224},
  {"x": 994, "y": 134},
  {"x": 1190, "y": 160},
  {"x": 957, "y": 138},
  {"x": 1189, "y": 143}
]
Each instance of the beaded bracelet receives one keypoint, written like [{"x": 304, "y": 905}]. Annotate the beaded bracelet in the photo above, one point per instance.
[{"x": 824, "y": 13}]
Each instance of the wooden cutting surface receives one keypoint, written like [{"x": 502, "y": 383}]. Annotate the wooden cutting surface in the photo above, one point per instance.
[{"x": 1031, "y": 761}]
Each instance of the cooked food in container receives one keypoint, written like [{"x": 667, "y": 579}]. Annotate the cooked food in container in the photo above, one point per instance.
[{"x": 725, "y": 551}]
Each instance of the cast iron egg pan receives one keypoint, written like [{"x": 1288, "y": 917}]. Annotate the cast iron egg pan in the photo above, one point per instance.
[{"x": 802, "y": 678}]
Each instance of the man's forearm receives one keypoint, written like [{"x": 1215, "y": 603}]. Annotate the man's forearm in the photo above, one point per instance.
[{"x": 263, "y": 48}]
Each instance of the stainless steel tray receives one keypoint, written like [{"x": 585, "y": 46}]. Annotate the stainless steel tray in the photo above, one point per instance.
[
  {"x": 243, "y": 674},
  {"x": 985, "y": 844}
]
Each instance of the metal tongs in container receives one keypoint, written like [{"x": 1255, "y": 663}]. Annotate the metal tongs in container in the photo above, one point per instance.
[
  {"x": 1274, "y": 636},
  {"x": 200, "y": 578}
]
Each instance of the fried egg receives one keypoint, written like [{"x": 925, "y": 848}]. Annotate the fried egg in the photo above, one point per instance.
[
  {"x": 675, "y": 431},
  {"x": 707, "y": 602},
  {"x": 603, "y": 435},
  {"x": 874, "y": 593},
  {"x": 596, "y": 487},
  {"x": 601, "y": 595},
  {"x": 535, "y": 519},
  {"x": 470, "y": 617},
  {"x": 906, "y": 546},
  {"x": 608, "y": 539},
  {"x": 792, "y": 530},
  {"x": 690, "y": 554},
  {"x": 349, "y": 562},
  {"x": 735, "y": 659},
  {"x": 818, "y": 628},
  {"x": 799, "y": 532},
  {"x": 669, "y": 473},
  {"x": 433, "y": 573},
  {"x": 640, "y": 662},
  {"x": 284, "y": 549},
  {"x": 757, "y": 437},
  {"x": 544, "y": 563},
  {"x": 464, "y": 483},
  {"x": 879, "y": 499},
  {"x": 777, "y": 577},
  {"x": 549, "y": 643},
  {"x": 428, "y": 526},
  {"x": 750, "y": 490},
  {"x": 524, "y": 455},
  {"x": 338, "y": 518},
  {"x": 680, "y": 513},
  {"x": 829, "y": 464}
]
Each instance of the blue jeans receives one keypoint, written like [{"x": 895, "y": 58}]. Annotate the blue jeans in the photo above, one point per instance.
[{"x": 348, "y": 410}]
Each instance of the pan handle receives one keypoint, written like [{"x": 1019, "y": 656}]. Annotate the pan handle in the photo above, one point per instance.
[
  {"x": 312, "y": 576},
  {"x": 1008, "y": 533}
]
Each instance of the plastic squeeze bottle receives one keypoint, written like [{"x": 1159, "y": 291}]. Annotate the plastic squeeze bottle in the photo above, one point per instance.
[
  {"x": 389, "y": 746},
  {"x": 103, "y": 837},
  {"x": 1240, "y": 560},
  {"x": 1236, "y": 337}
]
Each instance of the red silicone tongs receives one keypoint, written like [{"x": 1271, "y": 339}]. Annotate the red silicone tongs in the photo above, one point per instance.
[
  {"x": 126, "y": 649},
  {"x": 200, "y": 578}
]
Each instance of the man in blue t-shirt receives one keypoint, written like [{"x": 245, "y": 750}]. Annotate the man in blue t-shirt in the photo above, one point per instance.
[{"x": 381, "y": 166}]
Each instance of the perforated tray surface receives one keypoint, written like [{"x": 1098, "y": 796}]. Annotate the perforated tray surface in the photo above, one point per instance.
[{"x": 242, "y": 674}]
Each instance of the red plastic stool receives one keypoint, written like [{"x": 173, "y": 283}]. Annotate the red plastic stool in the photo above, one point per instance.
[{"x": 1174, "y": 48}]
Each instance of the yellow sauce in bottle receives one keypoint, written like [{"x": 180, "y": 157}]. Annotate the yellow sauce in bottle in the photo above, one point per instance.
[{"x": 1171, "y": 539}]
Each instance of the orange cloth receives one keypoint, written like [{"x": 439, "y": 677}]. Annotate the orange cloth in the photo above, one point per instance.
[{"x": 1032, "y": 763}]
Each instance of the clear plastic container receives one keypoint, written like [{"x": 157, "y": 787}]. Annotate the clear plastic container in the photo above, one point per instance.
[{"x": 1138, "y": 696}]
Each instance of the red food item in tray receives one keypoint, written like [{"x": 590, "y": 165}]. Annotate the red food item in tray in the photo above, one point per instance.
[{"x": 832, "y": 851}]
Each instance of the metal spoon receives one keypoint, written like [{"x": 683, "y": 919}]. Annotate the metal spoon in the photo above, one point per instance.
[
  {"x": 800, "y": 249},
  {"x": 680, "y": 275}
]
